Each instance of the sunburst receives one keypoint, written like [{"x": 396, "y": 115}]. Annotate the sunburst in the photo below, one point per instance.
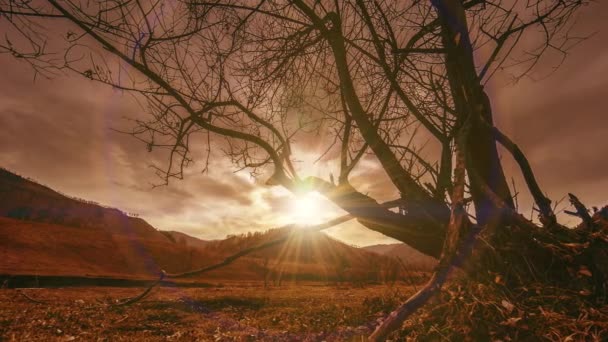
[{"x": 307, "y": 209}]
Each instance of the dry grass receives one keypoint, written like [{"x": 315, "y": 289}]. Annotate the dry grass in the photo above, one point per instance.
[
  {"x": 476, "y": 312},
  {"x": 236, "y": 312},
  {"x": 308, "y": 312}
]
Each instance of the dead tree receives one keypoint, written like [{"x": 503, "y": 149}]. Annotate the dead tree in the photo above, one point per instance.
[{"x": 372, "y": 78}]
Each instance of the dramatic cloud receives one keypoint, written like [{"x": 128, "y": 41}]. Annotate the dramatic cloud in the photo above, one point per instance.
[
  {"x": 560, "y": 119},
  {"x": 59, "y": 132}
]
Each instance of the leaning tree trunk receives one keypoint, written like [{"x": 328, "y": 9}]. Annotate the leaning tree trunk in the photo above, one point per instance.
[{"x": 512, "y": 249}]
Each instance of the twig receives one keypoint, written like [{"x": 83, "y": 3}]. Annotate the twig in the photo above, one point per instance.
[
  {"x": 122, "y": 319},
  {"x": 36, "y": 301}
]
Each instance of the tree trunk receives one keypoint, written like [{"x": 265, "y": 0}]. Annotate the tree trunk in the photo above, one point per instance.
[{"x": 472, "y": 104}]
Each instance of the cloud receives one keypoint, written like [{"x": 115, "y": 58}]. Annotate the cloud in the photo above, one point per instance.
[{"x": 60, "y": 133}]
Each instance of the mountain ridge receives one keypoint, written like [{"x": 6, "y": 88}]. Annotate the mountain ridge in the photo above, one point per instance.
[
  {"x": 411, "y": 258},
  {"x": 25, "y": 199},
  {"x": 45, "y": 232}
]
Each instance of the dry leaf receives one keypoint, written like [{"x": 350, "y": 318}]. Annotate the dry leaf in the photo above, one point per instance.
[
  {"x": 576, "y": 245},
  {"x": 585, "y": 271},
  {"x": 511, "y": 322},
  {"x": 507, "y": 305}
]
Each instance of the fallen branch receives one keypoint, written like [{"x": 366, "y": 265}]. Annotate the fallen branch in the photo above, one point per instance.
[
  {"x": 230, "y": 259},
  {"x": 129, "y": 301},
  {"x": 36, "y": 301},
  {"x": 269, "y": 244}
]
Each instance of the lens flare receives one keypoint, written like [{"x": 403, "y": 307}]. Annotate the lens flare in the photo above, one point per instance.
[{"x": 306, "y": 209}]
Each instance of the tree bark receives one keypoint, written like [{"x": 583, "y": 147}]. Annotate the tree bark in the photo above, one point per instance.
[{"x": 472, "y": 102}]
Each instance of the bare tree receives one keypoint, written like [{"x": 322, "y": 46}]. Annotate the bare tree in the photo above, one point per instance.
[{"x": 375, "y": 77}]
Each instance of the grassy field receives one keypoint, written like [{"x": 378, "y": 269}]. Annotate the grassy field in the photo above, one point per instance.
[{"x": 229, "y": 312}]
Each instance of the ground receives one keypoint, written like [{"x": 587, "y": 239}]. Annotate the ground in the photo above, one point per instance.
[
  {"x": 462, "y": 311},
  {"x": 230, "y": 312}
]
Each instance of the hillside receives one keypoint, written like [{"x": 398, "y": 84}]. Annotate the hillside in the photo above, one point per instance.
[
  {"x": 411, "y": 258},
  {"x": 28, "y": 247},
  {"x": 185, "y": 239},
  {"x": 310, "y": 255},
  {"x": 43, "y": 232},
  {"x": 24, "y": 199}
]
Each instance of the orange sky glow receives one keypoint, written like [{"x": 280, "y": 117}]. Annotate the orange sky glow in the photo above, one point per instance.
[{"x": 59, "y": 132}]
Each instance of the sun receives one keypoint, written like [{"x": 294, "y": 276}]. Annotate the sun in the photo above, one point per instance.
[{"x": 306, "y": 209}]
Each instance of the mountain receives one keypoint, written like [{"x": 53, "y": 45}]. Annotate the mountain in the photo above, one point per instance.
[
  {"x": 35, "y": 248},
  {"x": 185, "y": 239},
  {"x": 44, "y": 232},
  {"x": 24, "y": 199},
  {"x": 309, "y": 255},
  {"x": 411, "y": 258}
]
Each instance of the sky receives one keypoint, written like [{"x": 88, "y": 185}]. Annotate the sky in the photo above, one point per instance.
[{"x": 60, "y": 132}]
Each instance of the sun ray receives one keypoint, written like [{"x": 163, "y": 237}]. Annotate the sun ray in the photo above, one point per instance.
[
  {"x": 307, "y": 209},
  {"x": 283, "y": 254},
  {"x": 321, "y": 260}
]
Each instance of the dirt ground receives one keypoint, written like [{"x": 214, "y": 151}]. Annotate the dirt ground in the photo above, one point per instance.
[{"x": 233, "y": 312}]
